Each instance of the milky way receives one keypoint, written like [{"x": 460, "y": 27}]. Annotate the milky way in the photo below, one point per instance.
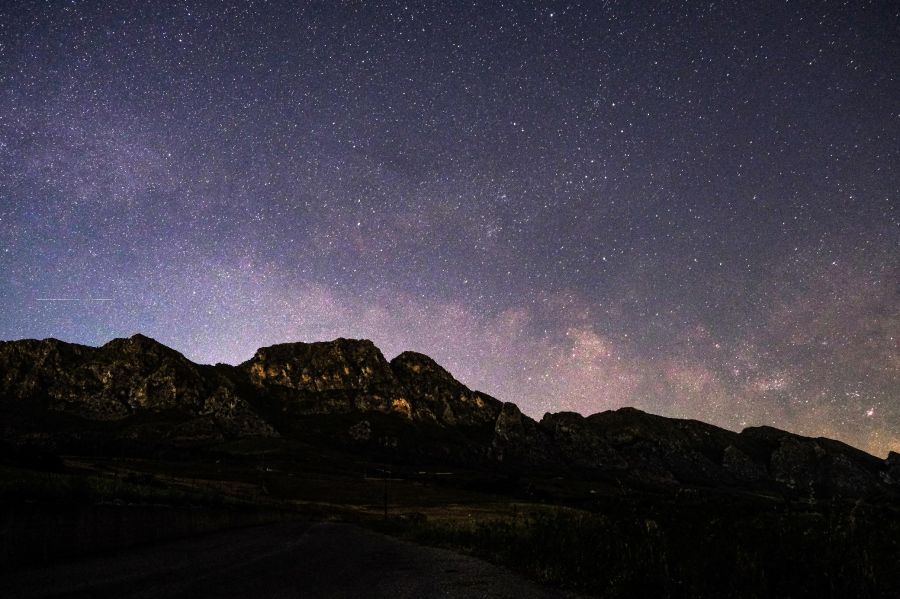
[{"x": 689, "y": 208}]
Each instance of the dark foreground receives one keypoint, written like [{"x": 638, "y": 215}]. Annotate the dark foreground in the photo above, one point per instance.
[{"x": 283, "y": 560}]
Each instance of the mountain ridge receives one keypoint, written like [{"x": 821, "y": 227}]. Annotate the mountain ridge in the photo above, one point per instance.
[{"x": 138, "y": 392}]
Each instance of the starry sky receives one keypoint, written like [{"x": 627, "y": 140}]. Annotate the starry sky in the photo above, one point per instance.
[{"x": 691, "y": 208}]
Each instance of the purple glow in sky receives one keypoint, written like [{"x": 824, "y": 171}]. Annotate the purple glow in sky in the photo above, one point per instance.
[{"x": 689, "y": 208}]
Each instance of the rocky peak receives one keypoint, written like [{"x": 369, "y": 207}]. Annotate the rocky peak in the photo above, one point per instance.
[
  {"x": 520, "y": 441},
  {"x": 568, "y": 420},
  {"x": 138, "y": 343},
  {"x": 435, "y": 395},
  {"x": 342, "y": 364},
  {"x": 124, "y": 377},
  {"x": 29, "y": 366},
  {"x": 140, "y": 349},
  {"x": 579, "y": 442},
  {"x": 412, "y": 364},
  {"x": 819, "y": 464},
  {"x": 33, "y": 352}
]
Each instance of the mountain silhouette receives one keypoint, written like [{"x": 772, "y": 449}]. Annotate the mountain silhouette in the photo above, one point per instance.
[{"x": 137, "y": 396}]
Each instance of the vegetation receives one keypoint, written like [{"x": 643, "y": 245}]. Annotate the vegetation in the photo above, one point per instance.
[
  {"x": 686, "y": 551},
  {"x": 17, "y": 484}
]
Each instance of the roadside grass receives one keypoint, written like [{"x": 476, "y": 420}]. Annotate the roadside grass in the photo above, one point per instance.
[
  {"x": 684, "y": 551},
  {"x": 559, "y": 546}
]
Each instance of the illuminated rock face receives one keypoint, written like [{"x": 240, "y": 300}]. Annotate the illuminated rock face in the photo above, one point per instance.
[
  {"x": 133, "y": 377},
  {"x": 123, "y": 381},
  {"x": 343, "y": 364},
  {"x": 435, "y": 396},
  {"x": 350, "y": 375},
  {"x": 345, "y": 391}
]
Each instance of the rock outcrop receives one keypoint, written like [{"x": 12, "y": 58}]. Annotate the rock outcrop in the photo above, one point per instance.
[
  {"x": 817, "y": 466},
  {"x": 438, "y": 397},
  {"x": 337, "y": 377},
  {"x": 124, "y": 381}
]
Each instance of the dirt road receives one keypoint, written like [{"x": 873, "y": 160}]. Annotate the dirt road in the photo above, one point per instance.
[{"x": 284, "y": 560}]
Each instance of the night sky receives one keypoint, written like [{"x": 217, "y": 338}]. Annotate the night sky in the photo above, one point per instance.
[{"x": 688, "y": 208}]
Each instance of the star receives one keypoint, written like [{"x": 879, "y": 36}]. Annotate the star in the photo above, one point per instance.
[{"x": 582, "y": 206}]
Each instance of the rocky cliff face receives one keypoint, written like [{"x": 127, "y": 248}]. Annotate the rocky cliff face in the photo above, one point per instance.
[
  {"x": 352, "y": 376},
  {"x": 437, "y": 397},
  {"x": 121, "y": 381},
  {"x": 337, "y": 377},
  {"x": 136, "y": 388},
  {"x": 343, "y": 364}
]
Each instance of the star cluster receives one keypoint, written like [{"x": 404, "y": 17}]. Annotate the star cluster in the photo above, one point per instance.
[{"x": 686, "y": 207}]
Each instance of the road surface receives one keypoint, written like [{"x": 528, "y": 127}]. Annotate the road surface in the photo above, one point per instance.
[{"x": 283, "y": 560}]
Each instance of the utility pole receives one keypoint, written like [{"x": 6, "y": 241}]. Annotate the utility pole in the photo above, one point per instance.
[{"x": 386, "y": 474}]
